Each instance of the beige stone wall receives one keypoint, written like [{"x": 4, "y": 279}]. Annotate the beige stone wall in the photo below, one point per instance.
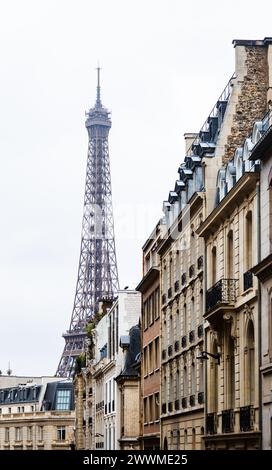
[{"x": 182, "y": 433}]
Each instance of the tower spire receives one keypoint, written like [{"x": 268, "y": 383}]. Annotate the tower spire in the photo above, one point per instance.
[{"x": 98, "y": 103}]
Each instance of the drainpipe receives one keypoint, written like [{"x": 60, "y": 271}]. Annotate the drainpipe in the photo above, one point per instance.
[{"x": 259, "y": 307}]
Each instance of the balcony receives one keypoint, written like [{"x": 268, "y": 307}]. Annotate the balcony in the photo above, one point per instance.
[
  {"x": 163, "y": 299},
  {"x": 227, "y": 421},
  {"x": 192, "y": 336},
  {"x": 246, "y": 418},
  {"x": 184, "y": 341},
  {"x": 200, "y": 331},
  {"x": 184, "y": 402},
  {"x": 177, "y": 405},
  {"x": 169, "y": 293},
  {"x": 170, "y": 406},
  {"x": 211, "y": 423},
  {"x": 223, "y": 292},
  {"x": 183, "y": 279},
  {"x": 200, "y": 398},
  {"x": 176, "y": 286},
  {"x": 192, "y": 270},
  {"x": 248, "y": 280},
  {"x": 163, "y": 408},
  {"x": 192, "y": 400},
  {"x": 170, "y": 350},
  {"x": 200, "y": 262},
  {"x": 164, "y": 354},
  {"x": 176, "y": 346}
]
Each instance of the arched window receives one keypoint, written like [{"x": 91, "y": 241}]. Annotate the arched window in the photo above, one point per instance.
[
  {"x": 185, "y": 382},
  {"x": 250, "y": 365},
  {"x": 230, "y": 368},
  {"x": 185, "y": 439},
  {"x": 165, "y": 444},
  {"x": 193, "y": 439},
  {"x": 193, "y": 379},
  {"x": 248, "y": 240},
  {"x": 230, "y": 256},
  {"x": 171, "y": 387},
  {"x": 184, "y": 319}
]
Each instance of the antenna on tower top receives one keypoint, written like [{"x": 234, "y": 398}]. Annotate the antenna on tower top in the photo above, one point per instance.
[{"x": 98, "y": 103}]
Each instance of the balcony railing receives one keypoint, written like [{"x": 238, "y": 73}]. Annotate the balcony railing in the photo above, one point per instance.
[
  {"x": 192, "y": 400},
  {"x": 246, "y": 418},
  {"x": 227, "y": 421},
  {"x": 192, "y": 270},
  {"x": 176, "y": 346},
  {"x": 183, "y": 279},
  {"x": 248, "y": 280},
  {"x": 170, "y": 406},
  {"x": 192, "y": 336},
  {"x": 163, "y": 408},
  {"x": 223, "y": 292},
  {"x": 177, "y": 405},
  {"x": 163, "y": 299},
  {"x": 184, "y": 341},
  {"x": 200, "y": 262},
  {"x": 200, "y": 398},
  {"x": 169, "y": 293},
  {"x": 200, "y": 331},
  {"x": 184, "y": 402},
  {"x": 176, "y": 286},
  {"x": 211, "y": 423},
  {"x": 170, "y": 350}
]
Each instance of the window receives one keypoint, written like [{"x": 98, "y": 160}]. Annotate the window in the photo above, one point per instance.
[
  {"x": 193, "y": 439},
  {"x": 61, "y": 433},
  {"x": 214, "y": 273},
  {"x": 63, "y": 399},
  {"x": 40, "y": 433},
  {"x": 230, "y": 255},
  {"x": 18, "y": 409},
  {"x": 29, "y": 433},
  {"x": 145, "y": 362},
  {"x": 230, "y": 369},
  {"x": 151, "y": 408},
  {"x": 23, "y": 409},
  {"x": 151, "y": 309},
  {"x": 151, "y": 358},
  {"x": 184, "y": 319},
  {"x": 157, "y": 406},
  {"x": 250, "y": 365},
  {"x": 145, "y": 315},
  {"x": 145, "y": 410},
  {"x": 32, "y": 408},
  {"x": 177, "y": 385},
  {"x": 18, "y": 434},
  {"x": 6, "y": 434},
  {"x": 9, "y": 410},
  {"x": 248, "y": 240},
  {"x": 157, "y": 303},
  {"x": 193, "y": 379},
  {"x": 157, "y": 353},
  {"x": 0, "y": 411},
  {"x": 213, "y": 381},
  {"x": 185, "y": 382}
]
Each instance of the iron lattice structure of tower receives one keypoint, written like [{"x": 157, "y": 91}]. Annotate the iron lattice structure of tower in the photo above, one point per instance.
[{"x": 97, "y": 272}]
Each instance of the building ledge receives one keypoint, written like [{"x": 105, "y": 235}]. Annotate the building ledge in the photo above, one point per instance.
[{"x": 263, "y": 270}]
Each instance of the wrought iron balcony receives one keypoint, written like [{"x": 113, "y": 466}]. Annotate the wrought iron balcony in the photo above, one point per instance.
[
  {"x": 227, "y": 421},
  {"x": 183, "y": 279},
  {"x": 192, "y": 270},
  {"x": 200, "y": 398},
  {"x": 192, "y": 400},
  {"x": 170, "y": 406},
  {"x": 164, "y": 354},
  {"x": 184, "y": 341},
  {"x": 177, "y": 405},
  {"x": 169, "y": 293},
  {"x": 200, "y": 331},
  {"x": 170, "y": 350},
  {"x": 248, "y": 280},
  {"x": 184, "y": 402},
  {"x": 211, "y": 423},
  {"x": 163, "y": 408},
  {"x": 246, "y": 418},
  {"x": 192, "y": 336},
  {"x": 176, "y": 346},
  {"x": 200, "y": 262},
  {"x": 223, "y": 292},
  {"x": 163, "y": 299},
  {"x": 176, "y": 286}
]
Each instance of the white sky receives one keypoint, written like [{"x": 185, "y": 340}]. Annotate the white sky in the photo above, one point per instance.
[{"x": 164, "y": 65}]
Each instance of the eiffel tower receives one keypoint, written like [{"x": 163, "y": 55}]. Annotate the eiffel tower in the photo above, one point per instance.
[{"x": 97, "y": 272}]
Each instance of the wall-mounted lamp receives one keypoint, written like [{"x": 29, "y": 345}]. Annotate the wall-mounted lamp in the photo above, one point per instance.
[
  {"x": 97, "y": 434},
  {"x": 205, "y": 354}
]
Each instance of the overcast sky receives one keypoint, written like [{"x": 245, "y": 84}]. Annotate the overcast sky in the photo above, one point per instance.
[{"x": 164, "y": 63}]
